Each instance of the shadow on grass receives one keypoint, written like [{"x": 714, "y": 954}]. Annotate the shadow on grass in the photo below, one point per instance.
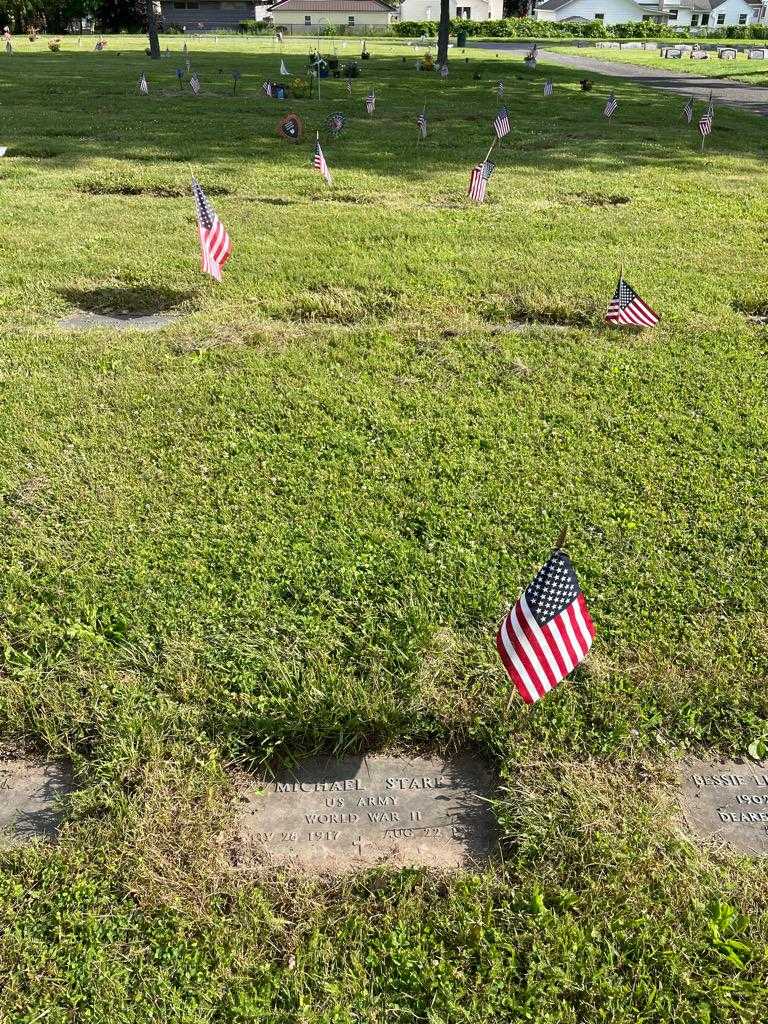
[{"x": 135, "y": 299}]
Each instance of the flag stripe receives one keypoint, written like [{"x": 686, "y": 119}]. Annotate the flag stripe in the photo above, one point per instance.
[
  {"x": 522, "y": 652},
  {"x": 539, "y": 642},
  {"x": 514, "y": 665}
]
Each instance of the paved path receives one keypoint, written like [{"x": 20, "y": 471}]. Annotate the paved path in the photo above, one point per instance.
[{"x": 725, "y": 91}]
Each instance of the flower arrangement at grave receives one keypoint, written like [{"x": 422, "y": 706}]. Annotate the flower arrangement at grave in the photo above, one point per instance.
[
  {"x": 54, "y": 45},
  {"x": 428, "y": 63},
  {"x": 299, "y": 87}
]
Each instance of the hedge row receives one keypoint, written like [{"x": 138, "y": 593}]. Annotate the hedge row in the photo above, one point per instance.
[{"x": 529, "y": 28}]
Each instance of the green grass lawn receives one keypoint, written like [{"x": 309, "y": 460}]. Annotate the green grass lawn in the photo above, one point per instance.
[
  {"x": 754, "y": 72},
  {"x": 291, "y": 521}
]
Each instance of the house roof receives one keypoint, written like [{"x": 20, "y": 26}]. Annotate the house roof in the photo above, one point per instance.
[
  {"x": 345, "y": 6},
  {"x": 553, "y": 5}
]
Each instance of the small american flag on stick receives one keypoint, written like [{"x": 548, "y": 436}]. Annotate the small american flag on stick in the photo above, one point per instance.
[
  {"x": 215, "y": 243},
  {"x": 548, "y": 88},
  {"x": 267, "y": 87},
  {"x": 194, "y": 84},
  {"x": 548, "y": 632},
  {"x": 370, "y": 102},
  {"x": 626, "y": 307},
  {"x": 421, "y": 123},
  {"x": 444, "y": 71},
  {"x": 688, "y": 110},
  {"x": 143, "y": 85},
  {"x": 705, "y": 121},
  {"x": 501, "y": 123},
  {"x": 610, "y": 107},
  {"x": 478, "y": 180},
  {"x": 319, "y": 162},
  {"x": 500, "y": 90},
  {"x": 283, "y": 69}
]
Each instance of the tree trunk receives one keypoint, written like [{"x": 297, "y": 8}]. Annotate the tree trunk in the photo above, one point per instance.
[
  {"x": 442, "y": 33},
  {"x": 154, "y": 42}
]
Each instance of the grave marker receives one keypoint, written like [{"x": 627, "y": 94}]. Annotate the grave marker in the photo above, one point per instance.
[
  {"x": 727, "y": 801},
  {"x": 332, "y": 815},
  {"x": 29, "y": 792}
]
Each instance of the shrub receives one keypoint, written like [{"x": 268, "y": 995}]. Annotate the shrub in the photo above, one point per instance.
[
  {"x": 255, "y": 28},
  {"x": 416, "y": 29},
  {"x": 172, "y": 30},
  {"x": 529, "y": 28}
]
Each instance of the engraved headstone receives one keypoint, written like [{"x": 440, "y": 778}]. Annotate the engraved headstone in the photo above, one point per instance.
[
  {"x": 29, "y": 795},
  {"x": 333, "y": 815},
  {"x": 728, "y": 802}
]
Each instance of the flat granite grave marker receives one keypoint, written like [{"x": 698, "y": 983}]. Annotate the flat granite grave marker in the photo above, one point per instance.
[
  {"x": 331, "y": 815},
  {"x": 29, "y": 791},
  {"x": 727, "y": 801}
]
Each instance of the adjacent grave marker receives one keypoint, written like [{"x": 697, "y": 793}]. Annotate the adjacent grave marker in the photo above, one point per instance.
[
  {"x": 335, "y": 815},
  {"x": 728, "y": 801},
  {"x": 29, "y": 791},
  {"x": 117, "y": 321}
]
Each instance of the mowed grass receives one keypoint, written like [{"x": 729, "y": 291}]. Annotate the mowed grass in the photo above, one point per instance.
[
  {"x": 291, "y": 521},
  {"x": 741, "y": 69}
]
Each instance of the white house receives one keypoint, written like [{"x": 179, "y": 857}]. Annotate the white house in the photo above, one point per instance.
[
  {"x": 311, "y": 15},
  {"x": 470, "y": 10},
  {"x": 682, "y": 14}
]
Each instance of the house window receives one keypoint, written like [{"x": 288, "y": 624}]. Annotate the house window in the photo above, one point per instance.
[
  {"x": 672, "y": 15},
  {"x": 351, "y": 20},
  {"x": 464, "y": 12},
  {"x": 742, "y": 19},
  {"x": 307, "y": 19},
  {"x": 599, "y": 17},
  {"x": 721, "y": 19},
  {"x": 705, "y": 19},
  {"x": 694, "y": 20}
]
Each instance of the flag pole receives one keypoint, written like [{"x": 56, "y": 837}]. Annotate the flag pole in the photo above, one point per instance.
[{"x": 491, "y": 149}]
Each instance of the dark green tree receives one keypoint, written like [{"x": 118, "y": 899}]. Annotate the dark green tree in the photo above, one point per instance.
[{"x": 443, "y": 32}]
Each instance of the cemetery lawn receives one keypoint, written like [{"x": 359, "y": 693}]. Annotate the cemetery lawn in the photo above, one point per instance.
[
  {"x": 290, "y": 522},
  {"x": 754, "y": 72}
]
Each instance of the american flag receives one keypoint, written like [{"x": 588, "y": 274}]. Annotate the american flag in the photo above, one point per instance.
[
  {"x": 610, "y": 106},
  {"x": 706, "y": 119},
  {"x": 370, "y": 102},
  {"x": 194, "y": 84},
  {"x": 501, "y": 123},
  {"x": 319, "y": 162},
  {"x": 267, "y": 87},
  {"x": 478, "y": 181},
  {"x": 349, "y": 86},
  {"x": 548, "y": 88},
  {"x": 283, "y": 69},
  {"x": 421, "y": 123},
  {"x": 215, "y": 243},
  {"x": 688, "y": 110},
  {"x": 626, "y": 307},
  {"x": 143, "y": 86},
  {"x": 548, "y": 632},
  {"x": 444, "y": 71},
  {"x": 500, "y": 90}
]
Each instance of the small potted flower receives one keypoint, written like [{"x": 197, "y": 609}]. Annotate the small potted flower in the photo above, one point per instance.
[{"x": 54, "y": 45}]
